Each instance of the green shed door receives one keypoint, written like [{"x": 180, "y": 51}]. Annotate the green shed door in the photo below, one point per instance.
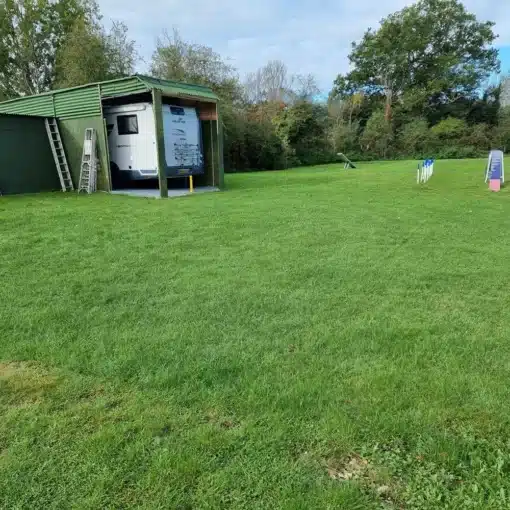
[{"x": 26, "y": 161}]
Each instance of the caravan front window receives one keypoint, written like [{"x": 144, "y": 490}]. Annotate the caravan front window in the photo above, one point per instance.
[{"x": 127, "y": 124}]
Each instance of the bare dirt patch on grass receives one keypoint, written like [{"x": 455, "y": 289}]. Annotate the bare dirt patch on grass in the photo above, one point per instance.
[
  {"x": 355, "y": 468},
  {"x": 24, "y": 382}
]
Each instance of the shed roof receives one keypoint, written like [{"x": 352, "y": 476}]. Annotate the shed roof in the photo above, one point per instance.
[{"x": 85, "y": 100}]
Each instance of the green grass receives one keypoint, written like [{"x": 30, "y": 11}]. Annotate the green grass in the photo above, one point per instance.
[{"x": 314, "y": 338}]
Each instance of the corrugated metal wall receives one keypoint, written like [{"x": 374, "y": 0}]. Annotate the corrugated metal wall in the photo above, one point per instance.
[
  {"x": 85, "y": 101},
  {"x": 74, "y": 103},
  {"x": 78, "y": 103},
  {"x": 207, "y": 179},
  {"x": 72, "y": 132},
  {"x": 213, "y": 156},
  {"x": 26, "y": 161},
  {"x": 122, "y": 88},
  {"x": 41, "y": 105},
  {"x": 176, "y": 89}
]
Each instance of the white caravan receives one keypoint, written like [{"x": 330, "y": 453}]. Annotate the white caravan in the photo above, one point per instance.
[{"x": 132, "y": 141}]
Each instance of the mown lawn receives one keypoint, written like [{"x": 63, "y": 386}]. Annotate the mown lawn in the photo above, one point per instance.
[{"x": 309, "y": 339}]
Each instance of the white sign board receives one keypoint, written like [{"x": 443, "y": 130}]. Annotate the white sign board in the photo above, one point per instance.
[{"x": 183, "y": 148}]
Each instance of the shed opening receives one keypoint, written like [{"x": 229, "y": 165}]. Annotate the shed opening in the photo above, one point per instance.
[
  {"x": 138, "y": 142},
  {"x": 156, "y": 142}
]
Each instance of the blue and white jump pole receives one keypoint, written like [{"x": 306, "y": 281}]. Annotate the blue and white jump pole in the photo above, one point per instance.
[{"x": 425, "y": 171}]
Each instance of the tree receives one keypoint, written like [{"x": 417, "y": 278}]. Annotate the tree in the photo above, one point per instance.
[
  {"x": 414, "y": 138},
  {"x": 433, "y": 48},
  {"x": 176, "y": 59},
  {"x": 485, "y": 109},
  {"x": 505, "y": 91},
  {"x": 120, "y": 51},
  {"x": 82, "y": 58},
  {"x": 304, "y": 87},
  {"x": 31, "y": 34},
  {"x": 346, "y": 109},
  {"x": 450, "y": 130},
  {"x": 344, "y": 137},
  {"x": 303, "y": 130},
  {"x": 377, "y": 136},
  {"x": 501, "y": 134},
  {"x": 89, "y": 55},
  {"x": 269, "y": 83},
  {"x": 273, "y": 83},
  {"x": 479, "y": 136}
]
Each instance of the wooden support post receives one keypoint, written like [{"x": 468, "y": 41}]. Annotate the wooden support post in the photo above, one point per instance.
[
  {"x": 220, "y": 163},
  {"x": 105, "y": 161},
  {"x": 214, "y": 148},
  {"x": 104, "y": 155},
  {"x": 160, "y": 142}
]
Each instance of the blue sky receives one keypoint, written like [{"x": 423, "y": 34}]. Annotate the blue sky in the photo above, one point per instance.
[
  {"x": 310, "y": 36},
  {"x": 504, "y": 55}
]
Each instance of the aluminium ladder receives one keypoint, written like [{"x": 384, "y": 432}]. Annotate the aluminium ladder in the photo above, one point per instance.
[
  {"x": 58, "y": 154},
  {"x": 88, "y": 170}
]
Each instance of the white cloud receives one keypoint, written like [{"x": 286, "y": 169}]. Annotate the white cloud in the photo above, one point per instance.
[{"x": 310, "y": 36}]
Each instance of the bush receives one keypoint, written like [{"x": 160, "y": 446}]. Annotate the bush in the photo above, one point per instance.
[
  {"x": 344, "y": 137},
  {"x": 458, "y": 152},
  {"x": 479, "y": 136},
  {"x": 377, "y": 136},
  {"x": 501, "y": 133},
  {"x": 275, "y": 136},
  {"x": 301, "y": 129},
  {"x": 251, "y": 144},
  {"x": 449, "y": 129},
  {"x": 414, "y": 138}
]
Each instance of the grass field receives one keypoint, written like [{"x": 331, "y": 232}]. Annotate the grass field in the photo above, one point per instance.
[{"x": 309, "y": 339}]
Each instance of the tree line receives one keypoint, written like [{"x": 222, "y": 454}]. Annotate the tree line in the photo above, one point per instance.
[{"x": 418, "y": 84}]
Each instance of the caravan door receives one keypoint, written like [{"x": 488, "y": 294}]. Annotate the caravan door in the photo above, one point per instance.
[{"x": 132, "y": 140}]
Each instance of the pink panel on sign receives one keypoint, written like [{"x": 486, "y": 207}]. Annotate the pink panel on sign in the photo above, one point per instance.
[{"x": 494, "y": 184}]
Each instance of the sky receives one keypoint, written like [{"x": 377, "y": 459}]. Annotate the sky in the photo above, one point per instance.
[{"x": 310, "y": 36}]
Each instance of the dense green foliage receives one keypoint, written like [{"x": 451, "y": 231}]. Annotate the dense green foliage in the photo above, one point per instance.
[
  {"x": 421, "y": 77},
  {"x": 309, "y": 339},
  {"x": 57, "y": 43},
  {"x": 417, "y": 86},
  {"x": 432, "y": 50}
]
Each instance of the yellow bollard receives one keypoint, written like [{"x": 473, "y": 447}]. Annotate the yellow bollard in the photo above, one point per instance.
[{"x": 191, "y": 184}]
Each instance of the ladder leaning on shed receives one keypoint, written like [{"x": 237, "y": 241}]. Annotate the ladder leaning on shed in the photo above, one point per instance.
[
  {"x": 88, "y": 171},
  {"x": 58, "y": 154}
]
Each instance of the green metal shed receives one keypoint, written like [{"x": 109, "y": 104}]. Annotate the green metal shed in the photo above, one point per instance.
[{"x": 81, "y": 107}]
